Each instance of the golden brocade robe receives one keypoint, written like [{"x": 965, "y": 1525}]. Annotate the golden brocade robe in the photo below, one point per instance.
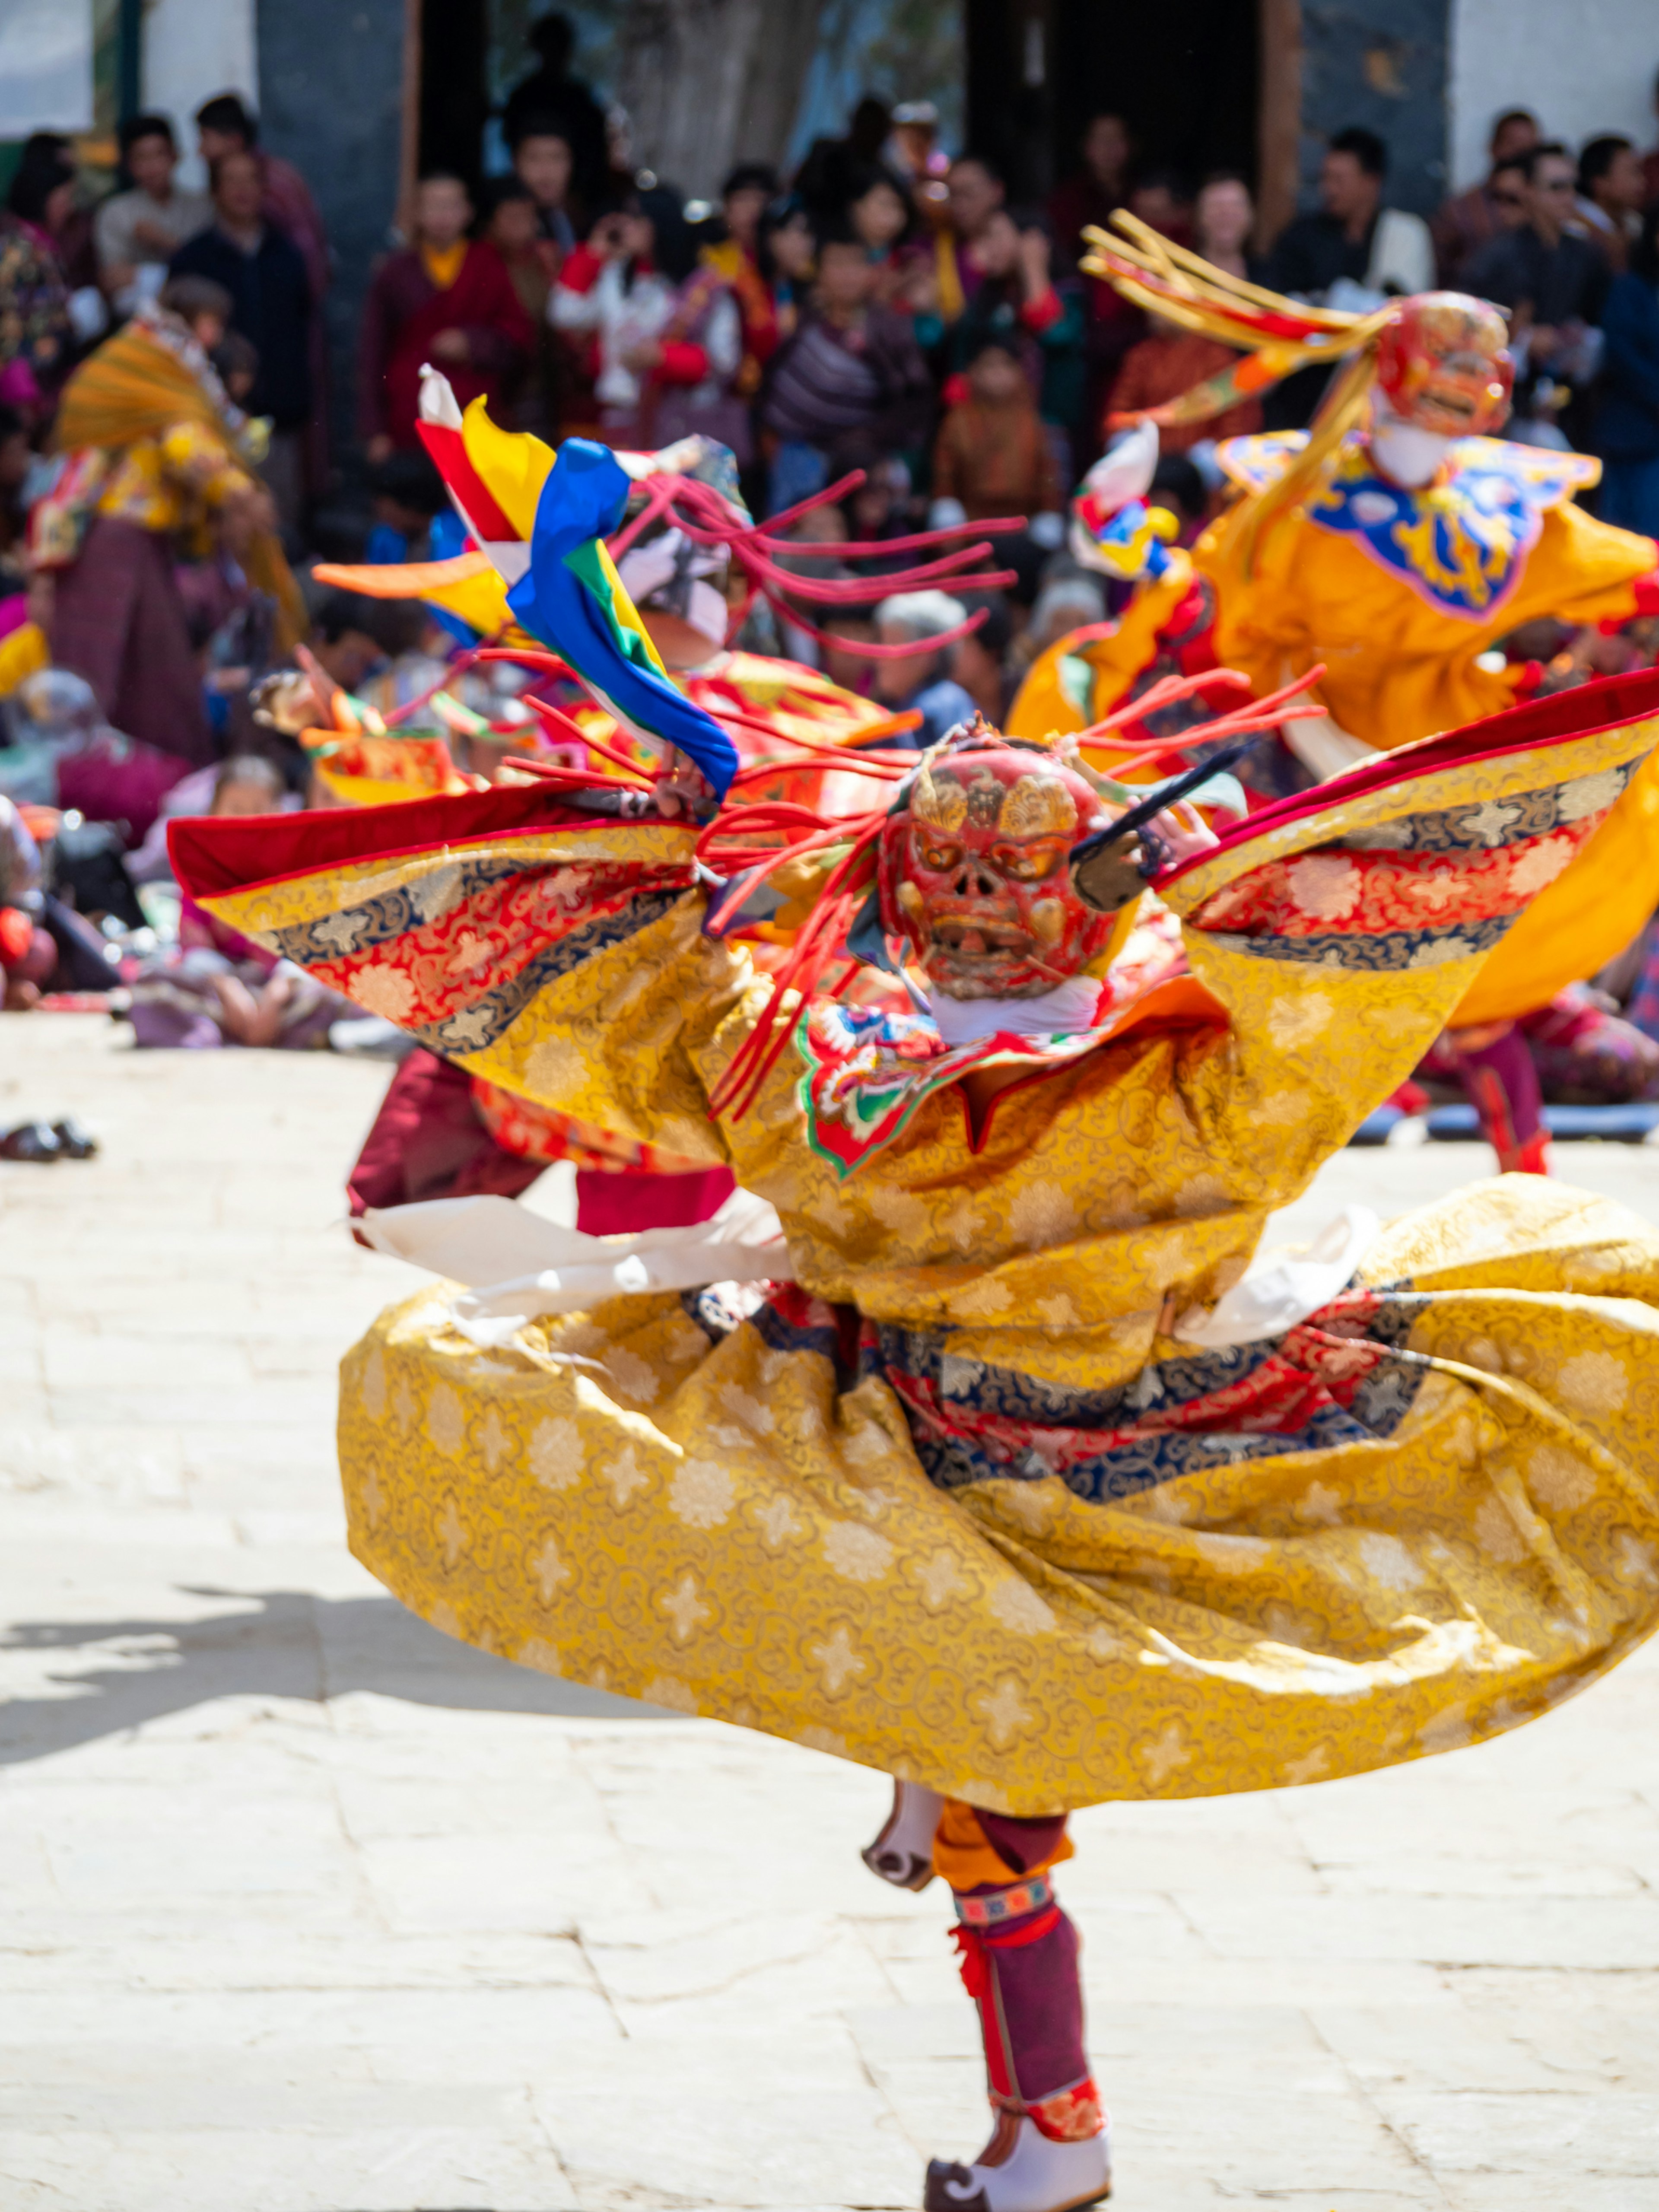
[{"x": 952, "y": 1503}]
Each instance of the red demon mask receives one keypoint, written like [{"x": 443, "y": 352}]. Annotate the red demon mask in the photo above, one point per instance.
[
  {"x": 975, "y": 871},
  {"x": 1443, "y": 364}
]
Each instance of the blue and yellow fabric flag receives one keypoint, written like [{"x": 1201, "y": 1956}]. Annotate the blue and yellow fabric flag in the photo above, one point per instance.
[{"x": 572, "y": 599}]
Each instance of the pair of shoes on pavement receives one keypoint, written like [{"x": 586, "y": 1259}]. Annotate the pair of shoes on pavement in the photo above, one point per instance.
[{"x": 42, "y": 1141}]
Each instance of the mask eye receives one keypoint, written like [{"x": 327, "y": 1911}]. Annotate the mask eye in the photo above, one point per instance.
[
  {"x": 1026, "y": 864},
  {"x": 932, "y": 855}
]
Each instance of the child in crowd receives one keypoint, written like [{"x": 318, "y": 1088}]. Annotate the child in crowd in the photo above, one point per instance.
[{"x": 994, "y": 454}]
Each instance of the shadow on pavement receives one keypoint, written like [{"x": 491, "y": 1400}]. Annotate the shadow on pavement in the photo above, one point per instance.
[{"x": 275, "y": 1643}]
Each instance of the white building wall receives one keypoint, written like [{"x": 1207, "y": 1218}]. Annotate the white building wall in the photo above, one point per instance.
[
  {"x": 193, "y": 49},
  {"x": 1582, "y": 66}
]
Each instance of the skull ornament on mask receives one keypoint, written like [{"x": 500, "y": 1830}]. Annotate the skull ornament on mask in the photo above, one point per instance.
[{"x": 975, "y": 871}]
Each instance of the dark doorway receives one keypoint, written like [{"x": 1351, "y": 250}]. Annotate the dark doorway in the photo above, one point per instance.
[
  {"x": 1184, "y": 75},
  {"x": 454, "y": 91}
]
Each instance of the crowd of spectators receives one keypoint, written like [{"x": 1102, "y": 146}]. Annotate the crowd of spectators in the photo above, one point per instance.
[{"x": 886, "y": 312}]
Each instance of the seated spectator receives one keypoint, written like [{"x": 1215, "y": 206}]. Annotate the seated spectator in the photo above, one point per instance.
[
  {"x": 137, "y": 232},
  {"x": 1468, "y": 224},
  {"x": 993, "y": 455},
  {"x": 542, "y": 163},
  {"x": 532, "y": 401},
  {"x": 744, "y": 198},
  {"x": 36, "y": 335},
  {"x": 264, "y": 273},
  {"x": 978, "y": 661},
  {"x": 1354, "y": 240},
  {"x": 1096, "y": 187},
  {"x": 409, "y": 495},
  {"x": 851, "y": 367},
  {"x": 921, "y": 681},
  {"x": 669, "y": 335},
  {"x": 1627, "y": 418},
  {"x": 1166, "y": 363},
  {"x": 1612, "y": 190},
  {"x": 441, "y": 300},
  {"x": 1223, "y": 216}
]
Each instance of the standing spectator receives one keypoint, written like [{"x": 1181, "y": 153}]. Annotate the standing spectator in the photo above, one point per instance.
[
  {"x": 1158, "y": 197},
  {"x": 1468, "y": 224},
  {"x": 993, "y": 455},
  {"x": 668, "y": 349},
  {"x": 44, "y": 190},
  {"x": 1353, "y": 239},
  {"x": 976, "y": 193},
  {"x": 1014, "y": 298},
  {"x": 543, "y": 164},
  {"x": 441, "y": 300},
  {"x": 825, "y": 180},
  {"x": 1627, "y": 418},
  {"x": 1352, "y": 254},
  {"x": 1090, "y": 195},
  {"x": 226, "y": 125},
  {"x": 271, "y": 293},
  {"x": 1612, "y": 189},
  {"x": 788, "y": 260},
  {"x": 1650, "y": 161},
  {"x": 921, "y": 680},
  {"x": 532, "y": 262},
  {"x": 1223, "y": 216},
  {"x": 851, "y": 366},
  {"x": 137, "y": 232},
  {"x": 563, "y": 101},
  {"x": 35, "y": 332},
  {"x": 736, "y": 262},
  {"x": 881, "y": 215},
  {"x": 1552, "y": 279}
]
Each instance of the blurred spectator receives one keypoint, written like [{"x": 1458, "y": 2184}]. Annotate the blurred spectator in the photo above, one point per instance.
[
  {"x": 744, "y": 198},
  {"x": 1628, "y": 420},
  {"x": 1469, "y": 222},
  {"x": 1354, "y": 240},
  {"x": 1069, "y": 602},
  {"x": 532, "y": 261},
  {"x": 1612, "y": 188},
  {"x": 788, "y": 259},
  {"x": 152, "y": 457},
  {"x": 851, "y": 367},
  {"x": 669, "y": 335},
  {"x": 1223, "y": 216},
  {"x": 1168, "y": 362},
  {"x": 14, "y": 458},
  {"x": 1013, "y": 297},
  {"x": 978, "y": 661},
  {"x": 825, "y": 178},
  {"x": 976, "y": 194},
  {"x": 921, "y": 681},
  {"x": 1552, "y": 279},
  {"x": 1158, "y": 197},
  {"x": 44, "y": 190},
  {"x": 35, "y": 332},
  {"x": 265, "y": 274},
  {"x": 237, "y": 360},
  {"x": 441, "y": 300},
  {"x": 137, "y": 232},
  {"x": 408, "y": 493},
  {"x": 543, "y": 164},
  {"x": 551, "y": 93},
  {"x": 1179, "y": 489},
  {"x": 1650, "y": 161},
  {"x": 226, "y": 125},
  {"x": 993, "y": 455},
  {"x": 882, "y": 217},
  {"x": 1090, "y": 195}
]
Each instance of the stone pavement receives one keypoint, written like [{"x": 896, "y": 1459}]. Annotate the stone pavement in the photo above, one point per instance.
[{"x": 304, "y": 1909}]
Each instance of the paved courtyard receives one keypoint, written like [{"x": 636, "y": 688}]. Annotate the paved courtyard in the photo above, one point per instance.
[{"x": 304, "y": 1909}]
